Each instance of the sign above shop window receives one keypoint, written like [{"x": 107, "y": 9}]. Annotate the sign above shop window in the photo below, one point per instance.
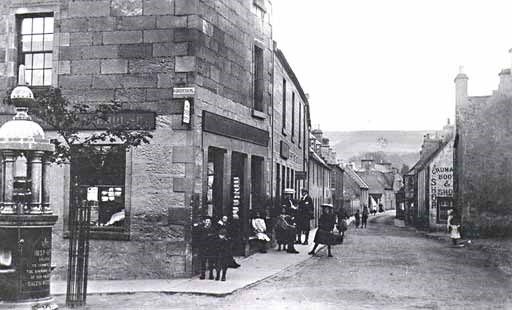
[
  {"x": 300, "y": 175},
  {"x": 183, "y": 92},
  {"x": 284, "y": 150},
  {"x": 230, "y": 128},
  {"x": 131, "y": 120}
]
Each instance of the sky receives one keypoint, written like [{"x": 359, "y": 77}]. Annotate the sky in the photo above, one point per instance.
[{"x": 390, "y": 65}]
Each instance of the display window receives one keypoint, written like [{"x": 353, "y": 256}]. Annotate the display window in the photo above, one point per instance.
[
  {"x": 443, "y": 205},
  {"x": 100, "y": 175}
]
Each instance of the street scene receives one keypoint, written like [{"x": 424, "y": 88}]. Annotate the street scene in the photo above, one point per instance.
[
  {"x": 381, "y": 267},
  {"x": 256, "y": 154}
]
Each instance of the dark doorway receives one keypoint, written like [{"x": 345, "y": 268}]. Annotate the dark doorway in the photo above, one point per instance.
[
  {"x": 239, "y": 203},
  {"x": 215, "y": 182},
  {"x": 258, "y": 193}
]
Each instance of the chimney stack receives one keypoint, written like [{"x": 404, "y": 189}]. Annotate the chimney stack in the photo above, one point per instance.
[
  {"x": 318, "y": 134},
  {"x": 461, "y": 86},
  {"x": 366, "y": 164}
]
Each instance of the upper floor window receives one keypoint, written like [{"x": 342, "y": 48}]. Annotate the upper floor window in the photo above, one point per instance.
[
  {"x": 258, "y": 79},
  {"x": 35, "y": 48},
  {"x": 284, "y": 105},
  {"x": 300, "y": 124},
  {"x": 293, "y": 115}
]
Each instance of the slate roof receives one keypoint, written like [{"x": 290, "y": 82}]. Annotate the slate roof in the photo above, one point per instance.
[
  {"x": 376, "y": 180},
  {"x": 423, "y": 162},
  {"x": 356, "y": 178}
]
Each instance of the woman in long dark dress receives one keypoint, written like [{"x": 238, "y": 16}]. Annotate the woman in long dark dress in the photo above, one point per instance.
[{"x": 324, "y": 235}]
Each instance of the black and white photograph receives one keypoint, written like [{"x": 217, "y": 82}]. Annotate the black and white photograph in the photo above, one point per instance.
[{"x": 255, "y": 154}]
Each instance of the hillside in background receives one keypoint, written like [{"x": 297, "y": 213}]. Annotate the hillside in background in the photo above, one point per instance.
[{"x": 400, "y": 147}]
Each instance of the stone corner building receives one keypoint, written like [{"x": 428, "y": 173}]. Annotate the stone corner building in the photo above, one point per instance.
[
  {"x": 137, "y": 52},
  {"x": 483, "y": 158}
]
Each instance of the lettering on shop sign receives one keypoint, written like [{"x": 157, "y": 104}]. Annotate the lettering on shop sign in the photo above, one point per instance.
[
  {"x": 236, "y": 194},
  {"x": 441, "y": 183},
  {"x": 186, "y": 112}
]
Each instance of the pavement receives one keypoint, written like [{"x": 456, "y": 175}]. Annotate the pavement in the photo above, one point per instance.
[{"x": 254, "y": 269}]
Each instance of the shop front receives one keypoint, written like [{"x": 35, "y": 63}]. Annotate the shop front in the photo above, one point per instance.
[{"x": 235, "y": 182}]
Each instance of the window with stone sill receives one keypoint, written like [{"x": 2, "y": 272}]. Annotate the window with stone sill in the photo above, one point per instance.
[
  {"x": 102, "y": 173},
  {"x": 258, "y": 79},
  {"x": 259, "y": 9},
  {"x": 35, "y": 47},
  {"x": 283, "y": 112}
]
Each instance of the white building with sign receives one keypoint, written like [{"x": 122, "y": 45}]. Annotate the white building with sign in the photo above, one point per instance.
[{"x": 433, "y": 174}]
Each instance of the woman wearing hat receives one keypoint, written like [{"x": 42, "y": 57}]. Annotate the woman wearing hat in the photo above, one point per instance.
[{"x": 326, "y": 224}]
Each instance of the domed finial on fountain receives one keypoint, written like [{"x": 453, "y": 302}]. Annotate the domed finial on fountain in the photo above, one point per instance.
[{"x": 22, "y": 96}]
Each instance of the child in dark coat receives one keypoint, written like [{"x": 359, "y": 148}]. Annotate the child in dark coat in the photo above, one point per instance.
[
  {"x": 357, "y": 218},
  {"x": 223, "y": 254}
]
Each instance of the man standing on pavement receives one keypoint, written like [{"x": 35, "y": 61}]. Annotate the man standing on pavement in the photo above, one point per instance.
[
  {"x": 304, "y": 215},
  {"x": 204, "y": 235}
]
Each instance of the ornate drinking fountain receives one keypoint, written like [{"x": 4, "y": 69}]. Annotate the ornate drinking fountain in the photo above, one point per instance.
[{"x": 26, "y": 218}]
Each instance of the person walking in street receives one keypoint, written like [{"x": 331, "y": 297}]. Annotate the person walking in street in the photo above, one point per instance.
[
  {"x": 364, "y": 217},
  {"x": 204, "y": 235},
  {"x": 225, "y": 223},
  {"x": 260, "y": 232},
  {"x": 304, "y": 216},
  {"x": 453, "y": 225},
  {"x": 285, "y": 232},
  {"x": 374, "y": 210},
  {"x": 324, "y": 234},
  {"x": 342, "y": 225},
  {"x": 357, "y": 218},
  {"x": 223, "y": 255}
]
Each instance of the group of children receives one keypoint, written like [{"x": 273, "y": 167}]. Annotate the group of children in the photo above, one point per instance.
[
  {"x": 361, "y": 219},
  {"x": 214, "y": 248}
]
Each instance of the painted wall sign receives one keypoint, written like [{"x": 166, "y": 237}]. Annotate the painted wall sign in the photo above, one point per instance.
[
  {"x": 441, "y": 186},
  {"x": 237, "y": 194},
  {"x": 183, "y": 92},
  {"x": 186, "y": 112}
]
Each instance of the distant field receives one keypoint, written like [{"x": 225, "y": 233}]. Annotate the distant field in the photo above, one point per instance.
[{"x": 401, "y": 147}]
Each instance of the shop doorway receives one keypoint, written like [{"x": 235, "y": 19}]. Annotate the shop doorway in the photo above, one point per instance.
[
  {"x": 259, "y": 202},
  {"x": 239, "y": 201}
]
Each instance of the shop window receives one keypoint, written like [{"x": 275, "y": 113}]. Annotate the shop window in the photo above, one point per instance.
[
  {"x": 104, "y": 171},
  {"x": 35, "y": 45},
  {"x": 443, "y": 205},
  {"x": 258, "y": 78}
]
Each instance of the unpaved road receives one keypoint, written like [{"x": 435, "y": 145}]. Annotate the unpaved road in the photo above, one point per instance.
[{"x": 381, "y": 267}]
